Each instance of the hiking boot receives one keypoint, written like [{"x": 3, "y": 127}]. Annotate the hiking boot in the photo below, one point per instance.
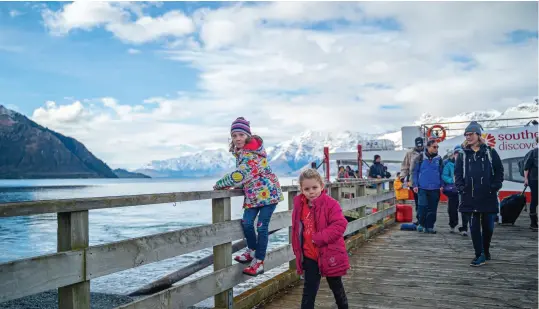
[
  {"x": 420, "y": 229},
  {"x": 245, "y": 257},
  {"x": 478, "y": 261},
  {"x": 256, "y": 268},
  {"x": 463, "y": 231}
]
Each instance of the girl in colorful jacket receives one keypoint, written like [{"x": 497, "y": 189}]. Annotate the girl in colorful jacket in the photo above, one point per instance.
[
  {"x": 261, "y": 188},
  {"x": 318, "y": 227}
]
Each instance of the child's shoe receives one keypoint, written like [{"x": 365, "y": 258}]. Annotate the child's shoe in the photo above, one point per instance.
[
  {"x": 430, "y": 231},
  {"x": 256, "y": 268},
  {"x": 245, "y": 257},
  {"x": 420, "y": 229}
]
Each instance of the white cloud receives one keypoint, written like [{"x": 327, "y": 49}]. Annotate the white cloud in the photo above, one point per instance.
[
  {"x": 291, "y": 66},
  {"x": 116, "y": 18},
  {"x": 52, "y": 113},
  {"x": 82, "y": 15},
  {"x": 133, "y": 51},
  {"x": 145, "y": 29}
]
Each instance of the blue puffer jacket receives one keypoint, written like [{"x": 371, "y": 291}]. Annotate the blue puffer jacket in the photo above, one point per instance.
[
  {"x": 449, "y": 172},
  {"x": 477, "y": 180},
  {"x": 427, "y": 172}
]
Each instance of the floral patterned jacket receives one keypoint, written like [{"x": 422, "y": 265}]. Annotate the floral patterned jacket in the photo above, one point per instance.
[{"x": 254, "y": 175}]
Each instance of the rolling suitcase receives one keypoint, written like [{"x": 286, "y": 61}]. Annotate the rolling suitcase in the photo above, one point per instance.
[{"x": 511, "y": 207}]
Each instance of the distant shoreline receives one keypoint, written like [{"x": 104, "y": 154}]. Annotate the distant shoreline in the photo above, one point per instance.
[{"x": 33, "y": 188}]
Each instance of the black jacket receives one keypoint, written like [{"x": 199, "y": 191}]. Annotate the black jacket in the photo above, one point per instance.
[
  {"x": 378, "y": 169},
  {"x": 531, "y": 164},
  {"x": 477, "y": 180}
]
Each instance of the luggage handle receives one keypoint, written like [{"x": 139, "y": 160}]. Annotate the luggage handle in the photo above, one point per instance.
[{"x": 525, "y": 204}]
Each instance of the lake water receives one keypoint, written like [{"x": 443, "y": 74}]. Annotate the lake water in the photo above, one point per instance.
[{"x": 23, "y": 237}]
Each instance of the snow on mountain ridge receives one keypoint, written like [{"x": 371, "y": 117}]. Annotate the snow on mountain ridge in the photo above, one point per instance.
[{"x": 291, "y": 155}]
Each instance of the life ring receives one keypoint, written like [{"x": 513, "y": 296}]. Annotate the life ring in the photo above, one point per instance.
[{"x": 438, "y": 139}]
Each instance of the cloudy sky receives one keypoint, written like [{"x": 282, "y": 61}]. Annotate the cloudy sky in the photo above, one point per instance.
[{"x": 143, "y": 81}]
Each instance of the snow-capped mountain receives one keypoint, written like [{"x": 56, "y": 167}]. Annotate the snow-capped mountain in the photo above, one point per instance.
[
  {"x": 288, "y": 157},
  {"x": 199, "y": 164}
]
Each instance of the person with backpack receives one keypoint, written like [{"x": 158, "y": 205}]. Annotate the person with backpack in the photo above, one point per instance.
[
  {"x": 450, "y": 191},
  {"x": 427, "y": 180},
  {"x": 406, "y": 171},
  {"x": 479, "y": 177},
  {"x": 530, "y": 179}
]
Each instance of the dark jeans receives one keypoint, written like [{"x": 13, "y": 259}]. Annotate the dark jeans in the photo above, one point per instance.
[
  {"x": 452, "y": 210},
  {"x": 312, "y": 283},
  {"x": 427, "y": 207},
  {"x": 264, "y": 216},
  {"x": 465, "y": 218},
  {"x": 481, "y": 228},
  {"x": 416, "y": 207},
  {"x": 533, "y": 188}
]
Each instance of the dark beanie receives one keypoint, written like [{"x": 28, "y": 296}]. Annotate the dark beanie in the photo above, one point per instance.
[
  {"x": 473, "y": 127},
  {"x": 419, "y": 142},
  {"x": 376, "y": 157}
]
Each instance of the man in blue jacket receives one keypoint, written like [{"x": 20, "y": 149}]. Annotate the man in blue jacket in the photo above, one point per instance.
[
  {"x": 427, "y": 181},
  {"x": 479, "y": 177}
]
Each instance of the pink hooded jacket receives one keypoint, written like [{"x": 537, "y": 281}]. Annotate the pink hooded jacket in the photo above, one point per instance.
[{"x": 330, "y": 227}]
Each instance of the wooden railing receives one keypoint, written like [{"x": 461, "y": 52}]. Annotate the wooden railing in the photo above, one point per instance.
[{"x": 76, "y": 263}]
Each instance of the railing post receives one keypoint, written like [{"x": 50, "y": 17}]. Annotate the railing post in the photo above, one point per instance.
[
  {"x": 393, "y": 201},
  {"x": 360, "y": 191},
  {"x": 73, "y": 235},
  {"x": 291, "y": 195},
  {"x": 335, "y": 192},
  {"x": 380, "y": 205},
  {"x": 222, "y": 254}
]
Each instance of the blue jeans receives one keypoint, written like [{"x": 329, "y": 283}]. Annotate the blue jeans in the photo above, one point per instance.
[
  {"x": 427, "y": 201},
  {"x": 481, "y": 228},
  {"x": 260, "y": 245}
]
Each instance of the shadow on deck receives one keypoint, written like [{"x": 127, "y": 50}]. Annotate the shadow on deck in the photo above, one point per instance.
[{"x": 405, "y": 269}]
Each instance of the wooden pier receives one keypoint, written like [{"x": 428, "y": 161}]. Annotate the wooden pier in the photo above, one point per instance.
[
  {"x": 409, "y": 270},
  {"x": 75, "y": 264}
]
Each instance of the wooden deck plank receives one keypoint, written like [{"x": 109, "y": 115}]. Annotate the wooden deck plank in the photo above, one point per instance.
[{"x": 406, "y": 269}]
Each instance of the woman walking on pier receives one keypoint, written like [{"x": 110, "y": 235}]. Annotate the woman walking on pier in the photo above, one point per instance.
[
  {"x": 318, "y": 227},
  {"x": 262, "y": 192},
  {"x": 479, "y": 177}
]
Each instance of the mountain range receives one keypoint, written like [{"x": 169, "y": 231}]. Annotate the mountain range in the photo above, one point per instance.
[
  {"x": 289, "y": 157},
  {"x": 28, "y": 150}
]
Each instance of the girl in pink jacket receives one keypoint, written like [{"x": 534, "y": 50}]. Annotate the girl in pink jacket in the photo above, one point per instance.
[{"x": 318, "y": 227}]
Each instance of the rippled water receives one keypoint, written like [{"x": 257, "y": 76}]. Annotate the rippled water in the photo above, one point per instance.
[{"x": 22, "y": 237}]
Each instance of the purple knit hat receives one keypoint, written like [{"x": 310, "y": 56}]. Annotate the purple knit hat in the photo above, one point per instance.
[{"x": 240, "y": 125}]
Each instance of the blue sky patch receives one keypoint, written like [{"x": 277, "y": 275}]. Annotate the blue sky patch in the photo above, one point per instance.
[{"x": 521, "y": 36}]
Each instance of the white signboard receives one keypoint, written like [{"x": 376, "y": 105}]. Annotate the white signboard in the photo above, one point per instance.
[{"x": 409, "y": 134}]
